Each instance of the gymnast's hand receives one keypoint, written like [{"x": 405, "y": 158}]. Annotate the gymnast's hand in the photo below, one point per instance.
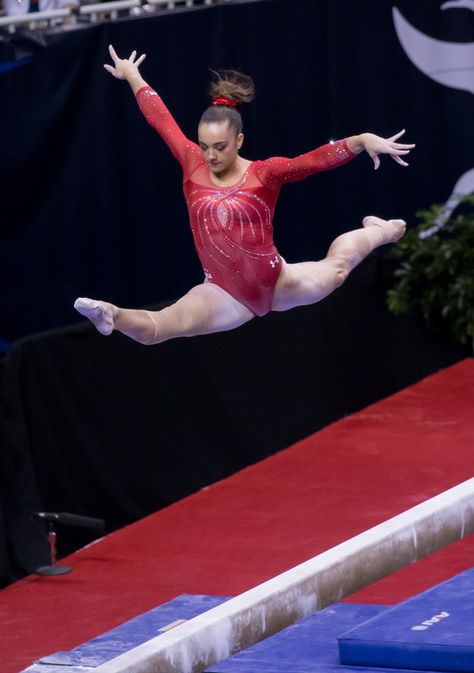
[
  {"x": 126, "y": 68},
  {"x": 374, "y": 145}
]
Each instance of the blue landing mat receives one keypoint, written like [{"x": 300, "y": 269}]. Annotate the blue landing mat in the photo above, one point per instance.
[
  {"x": 433, "y": 630},
  {"x": 310, "y": 646},
  {"x": 125, "y": 637}
]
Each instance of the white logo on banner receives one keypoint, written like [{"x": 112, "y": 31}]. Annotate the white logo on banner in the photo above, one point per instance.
[{"x": 450, "y": 64}]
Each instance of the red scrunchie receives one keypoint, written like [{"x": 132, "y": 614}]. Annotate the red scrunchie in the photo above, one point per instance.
[{"x": 221, "y": 100}]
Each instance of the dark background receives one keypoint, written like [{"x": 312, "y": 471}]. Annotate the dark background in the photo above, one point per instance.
[{"x": 91, "y": 205}]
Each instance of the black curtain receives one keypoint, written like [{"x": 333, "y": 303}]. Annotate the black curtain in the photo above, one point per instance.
[
  {"x": 104, "y": 427},
  {"x": 23, "y": 538},
  {"x": 92, "y": 205}
]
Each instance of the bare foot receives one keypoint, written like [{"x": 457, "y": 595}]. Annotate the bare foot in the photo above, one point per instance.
[
  {"x": 100, "y": 313},
  {"x": 393, "y": 229}
]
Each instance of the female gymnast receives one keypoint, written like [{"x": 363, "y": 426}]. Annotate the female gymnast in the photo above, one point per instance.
[{"x": 231, "y": 202}]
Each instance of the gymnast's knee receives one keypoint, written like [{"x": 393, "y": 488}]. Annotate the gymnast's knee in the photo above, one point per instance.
[{"x": 342, "y": 269}]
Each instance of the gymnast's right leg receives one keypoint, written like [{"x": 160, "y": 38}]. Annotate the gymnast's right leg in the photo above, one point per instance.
[{"x": 205, "y": 309}]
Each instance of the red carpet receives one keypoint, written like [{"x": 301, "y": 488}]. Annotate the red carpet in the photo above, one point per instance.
[{"x": 263, "y": 520}]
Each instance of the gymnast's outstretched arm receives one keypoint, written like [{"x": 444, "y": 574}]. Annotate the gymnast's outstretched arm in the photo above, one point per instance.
[
  {"x": 278, "y": 170},
  {"x": 155, "y": 111}
]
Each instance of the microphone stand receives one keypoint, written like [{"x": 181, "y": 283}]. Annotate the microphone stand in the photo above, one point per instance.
[{"x": 54, "y": 568}]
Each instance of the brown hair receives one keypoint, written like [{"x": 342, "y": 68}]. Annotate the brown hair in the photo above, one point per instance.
[{"x": 228, "y": 84}]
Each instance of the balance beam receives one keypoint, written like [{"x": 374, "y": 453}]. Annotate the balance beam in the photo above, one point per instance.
[{"x": 311, "y": 586}]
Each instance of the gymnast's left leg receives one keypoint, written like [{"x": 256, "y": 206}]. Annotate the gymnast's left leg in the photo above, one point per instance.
[
  {"x": 205, "y": 309},
  {"x": 309, "y": 282}
]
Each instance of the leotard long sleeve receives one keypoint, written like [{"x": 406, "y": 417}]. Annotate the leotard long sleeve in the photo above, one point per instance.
[{"x": 232, "y": 226}]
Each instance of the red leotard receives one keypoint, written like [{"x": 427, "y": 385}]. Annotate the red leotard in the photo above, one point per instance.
[{"x": 232, "y": 226}]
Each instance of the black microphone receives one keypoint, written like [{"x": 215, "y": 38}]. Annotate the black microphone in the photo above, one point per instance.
[{"x": 71, "y": 519}]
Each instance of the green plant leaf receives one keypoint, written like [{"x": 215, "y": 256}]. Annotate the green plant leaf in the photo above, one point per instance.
[{"x": 435, "y": 276}]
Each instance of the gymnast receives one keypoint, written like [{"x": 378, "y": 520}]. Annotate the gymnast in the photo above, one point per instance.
[{"x": 231, "y": 202}]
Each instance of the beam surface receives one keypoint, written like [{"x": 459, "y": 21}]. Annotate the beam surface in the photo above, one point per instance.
[{"x": 311, "y": 586}]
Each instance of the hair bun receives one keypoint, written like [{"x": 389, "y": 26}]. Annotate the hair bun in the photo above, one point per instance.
[{"x": 233, "y": 86}]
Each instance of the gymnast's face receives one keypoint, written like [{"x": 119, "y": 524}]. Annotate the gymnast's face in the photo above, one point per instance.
[{"x": 220, "y": 145}]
